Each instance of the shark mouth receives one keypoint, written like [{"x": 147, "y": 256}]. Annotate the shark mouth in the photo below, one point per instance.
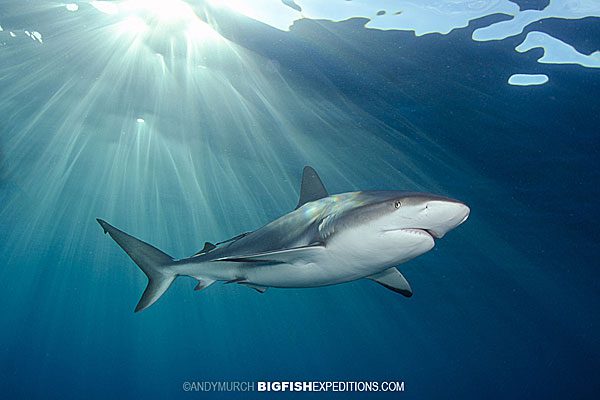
[
  {"x": 433, "y": 234},
  {"x": 420, "y": 231}
]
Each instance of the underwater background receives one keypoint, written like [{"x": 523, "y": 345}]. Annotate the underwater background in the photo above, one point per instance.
[{"x": 189, "y": 122}]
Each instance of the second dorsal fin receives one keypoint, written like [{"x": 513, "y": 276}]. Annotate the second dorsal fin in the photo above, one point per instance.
[
  {"x": 207, "y": 247},
  {"x": 311, "y": 188}
]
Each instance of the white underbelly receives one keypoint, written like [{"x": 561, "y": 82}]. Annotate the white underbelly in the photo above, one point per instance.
[
  {"x": 305, "y": 275},
  {"x": 341, "y": 261},
  {"x": 331, "y": 268}
]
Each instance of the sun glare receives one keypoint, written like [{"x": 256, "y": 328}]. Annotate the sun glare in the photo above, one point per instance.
[
  {"x": 133, "y": 25},
  {"x": 162, "y": 17},
  {"x": 168, "y": 11},
  {"x": 106, "y": 7},
  {"x": 164, "y": 11}
]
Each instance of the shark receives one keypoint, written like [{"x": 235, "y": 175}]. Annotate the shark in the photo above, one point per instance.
[{"x": 326, "y": 240}]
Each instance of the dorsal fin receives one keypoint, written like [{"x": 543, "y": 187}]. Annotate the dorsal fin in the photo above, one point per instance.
[
  {"x": 311, "y": 188},
  {"x": 207, "y": 247}
]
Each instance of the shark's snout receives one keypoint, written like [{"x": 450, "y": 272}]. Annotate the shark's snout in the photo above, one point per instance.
[{"x": 443, "y": 216}]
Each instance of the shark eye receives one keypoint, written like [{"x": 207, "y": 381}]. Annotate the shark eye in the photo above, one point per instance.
[{"x": 397, "y": 204}]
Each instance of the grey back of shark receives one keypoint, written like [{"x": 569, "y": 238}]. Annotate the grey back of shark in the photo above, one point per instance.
[{"x": 326, "y": 240}]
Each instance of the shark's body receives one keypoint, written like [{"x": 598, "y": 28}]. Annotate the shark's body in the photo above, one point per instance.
[{"x": 326, "y": 240}]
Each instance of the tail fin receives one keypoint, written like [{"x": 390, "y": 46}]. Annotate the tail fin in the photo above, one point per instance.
[{"x": 150, "y": 260}]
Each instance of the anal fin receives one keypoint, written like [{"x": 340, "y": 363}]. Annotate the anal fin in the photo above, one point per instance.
[
  {"x": 203, "y": 284},
  {"x": 392, "y": 279}
]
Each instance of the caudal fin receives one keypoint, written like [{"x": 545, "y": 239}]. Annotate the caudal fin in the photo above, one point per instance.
[{"x": 150, "y": 260}]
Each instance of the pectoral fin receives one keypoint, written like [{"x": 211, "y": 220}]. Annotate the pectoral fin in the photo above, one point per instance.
[{"x": 392, "y": 279}]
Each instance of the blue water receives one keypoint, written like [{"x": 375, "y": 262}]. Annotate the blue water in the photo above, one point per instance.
[{"x": 505, "y": 306}]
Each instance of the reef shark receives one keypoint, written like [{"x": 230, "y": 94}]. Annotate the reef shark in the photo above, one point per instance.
[{"x": 326, "y": 240}]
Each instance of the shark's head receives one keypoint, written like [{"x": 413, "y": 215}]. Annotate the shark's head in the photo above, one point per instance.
[
  {"x": 396, "y": 226},
  {"x": 397, "y": 211}
]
